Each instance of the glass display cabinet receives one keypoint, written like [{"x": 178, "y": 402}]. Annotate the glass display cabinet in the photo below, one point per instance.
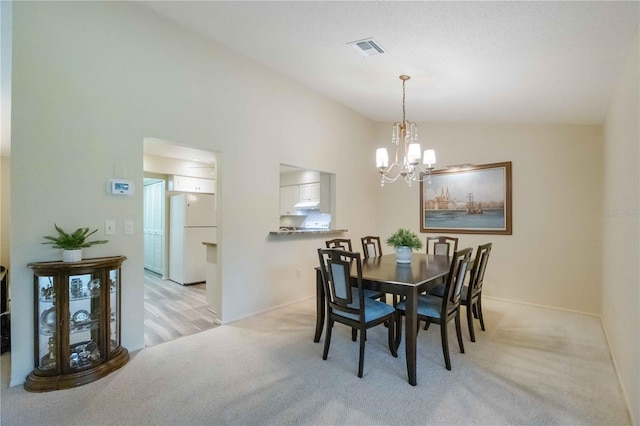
[{"x": 77, "y": 322}]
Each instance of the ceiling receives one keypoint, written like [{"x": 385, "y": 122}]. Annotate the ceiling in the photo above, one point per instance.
[
  {"x": 534, "y": 62},
  {"x": 161, "y": 148}
]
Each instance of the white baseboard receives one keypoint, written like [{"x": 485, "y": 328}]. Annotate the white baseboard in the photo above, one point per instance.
[{"x": 543, "y": 306}]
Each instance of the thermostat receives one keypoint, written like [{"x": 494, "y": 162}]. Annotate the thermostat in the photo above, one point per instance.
[{"x": 120, "y": 187}]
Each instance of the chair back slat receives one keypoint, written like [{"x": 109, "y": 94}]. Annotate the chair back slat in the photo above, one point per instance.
[
  {"x": 441, "y": 249},
  {"x": 371, "y": 246},
  {"x": 455, "y": 280},
  {"x": 340, "y": 286},
  {"x": 442, "y": 245},
  {"x": 370, "y": 250},
  {"x": 479, "y": 267}
]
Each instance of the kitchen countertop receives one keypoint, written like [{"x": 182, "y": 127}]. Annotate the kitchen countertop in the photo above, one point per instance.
[{"x": 309, "y": 232}]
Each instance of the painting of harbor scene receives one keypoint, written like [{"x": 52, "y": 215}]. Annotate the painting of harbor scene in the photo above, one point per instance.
[{"x": 474, "y": 199}]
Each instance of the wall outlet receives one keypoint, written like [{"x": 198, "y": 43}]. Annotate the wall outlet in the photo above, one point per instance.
[
  {"x": 110, "y": 227},
  {"x": 128, "y": 227}
]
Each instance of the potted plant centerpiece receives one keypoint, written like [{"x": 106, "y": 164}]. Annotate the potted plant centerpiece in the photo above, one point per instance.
[
  {"x": 72, "y": 244},
  {"x": 404, "y": 241}
]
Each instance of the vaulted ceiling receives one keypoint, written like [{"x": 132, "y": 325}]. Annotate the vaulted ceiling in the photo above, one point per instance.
[{"x": 540, "y": 62}]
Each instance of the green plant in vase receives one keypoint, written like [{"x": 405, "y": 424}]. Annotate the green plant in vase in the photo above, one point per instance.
[
  {"x": 404, "y": 241},
  {"x": 72, "y": 243}
]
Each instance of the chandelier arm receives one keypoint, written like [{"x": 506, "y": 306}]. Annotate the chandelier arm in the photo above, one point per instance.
[{"x": 388, "y": 171}]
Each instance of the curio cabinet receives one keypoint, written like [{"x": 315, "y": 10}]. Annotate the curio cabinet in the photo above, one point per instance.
[{"x": 77, "y": 322}]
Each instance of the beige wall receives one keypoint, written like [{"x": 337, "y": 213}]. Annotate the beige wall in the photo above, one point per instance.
[
  {"x": 621, "y": 230},
  {"x": 5, "y": 217},
  {"x": 5, "y": 128},
  {"x": 553, "y": 256},
  {"x": 93, "y": 79}
]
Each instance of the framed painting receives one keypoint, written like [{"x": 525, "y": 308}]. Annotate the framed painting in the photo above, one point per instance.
[{"x": 467, "y": 200}]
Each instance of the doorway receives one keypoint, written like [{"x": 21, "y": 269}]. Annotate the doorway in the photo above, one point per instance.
[
  {"x": 171, "y": 310},
  {"x": 154, "y": 224}
]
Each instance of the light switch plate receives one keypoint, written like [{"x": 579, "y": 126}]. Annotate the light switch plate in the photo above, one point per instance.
[
  {"x": 110, "y": 227},
  {"x": 128, "y": 227}
]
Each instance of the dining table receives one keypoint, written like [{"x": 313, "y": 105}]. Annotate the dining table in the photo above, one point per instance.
[{"x": 407, "y": 280}]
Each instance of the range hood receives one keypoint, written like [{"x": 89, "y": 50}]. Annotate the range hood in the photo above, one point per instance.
[{"x": 307, "y": 205}]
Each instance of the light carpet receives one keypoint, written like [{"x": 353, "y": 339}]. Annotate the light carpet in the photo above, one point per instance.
[{"x": 532, "y": 366}]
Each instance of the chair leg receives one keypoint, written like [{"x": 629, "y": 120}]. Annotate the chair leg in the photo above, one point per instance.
[
  {"x": 445, "y": 343},
  {"x": 398, "y": 330},
  {"x": 327, "y": 338},
  {"x": 470, "y": 309},
  {"x": 480, "y": 311},
  {"x": 361, "y": 362},
  {"x": 459, "y": 331},
  {"x": 427, "y": 323},
  {"x": 392, "y": 344},
  {"x": 354, "y": 334}
]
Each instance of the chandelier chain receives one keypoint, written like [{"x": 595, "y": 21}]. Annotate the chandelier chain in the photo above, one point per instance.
[{"x": 404, "y": 119}]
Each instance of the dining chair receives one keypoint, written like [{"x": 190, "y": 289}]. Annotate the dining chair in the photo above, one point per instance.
[
  {"x": 345, "y": 244},
  {"x": 349, "y": 307},
  {"x": 441, "y": 310},
  {"x": 442, "y": 245},
  {"x": 371, "y": 246},
  {"x": 472, "y": 293}
]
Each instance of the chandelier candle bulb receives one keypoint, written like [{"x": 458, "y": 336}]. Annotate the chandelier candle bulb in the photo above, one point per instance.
[
  {"x": 429, "y": 157},
  {"x": 414, "y": 153},
  {"x": 382, "y": 158}
]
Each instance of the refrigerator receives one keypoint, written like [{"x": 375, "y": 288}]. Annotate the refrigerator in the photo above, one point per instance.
[{"x": 192, "y": 221}]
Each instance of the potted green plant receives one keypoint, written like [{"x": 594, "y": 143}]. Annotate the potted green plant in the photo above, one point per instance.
[
  {"x": 72, "y": 243},
  {"x": 404, "y": 241}
]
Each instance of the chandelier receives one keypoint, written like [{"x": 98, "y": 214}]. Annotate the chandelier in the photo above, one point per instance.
[{"x": 408, "y": 166}]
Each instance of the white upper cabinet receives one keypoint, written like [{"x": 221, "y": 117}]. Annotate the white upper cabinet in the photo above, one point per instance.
[
  {"x": 288, "y": 199},
  {"x": 310, "y": 192},
  {"x": 192, "y": 184}
]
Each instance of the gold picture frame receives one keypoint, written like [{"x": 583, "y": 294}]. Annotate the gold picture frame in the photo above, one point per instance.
[{"x": 467, "y": 200}]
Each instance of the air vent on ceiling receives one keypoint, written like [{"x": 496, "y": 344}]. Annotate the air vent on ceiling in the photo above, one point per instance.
[{"x": 367, "y": 47}]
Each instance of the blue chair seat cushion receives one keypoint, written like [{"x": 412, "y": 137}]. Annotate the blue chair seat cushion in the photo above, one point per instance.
[
  {"x": 373, "y": 310},
  {"x": 428, "y": 306},
  {"x": 372, "y": 294},
  {"x": 439, "y": 292}
]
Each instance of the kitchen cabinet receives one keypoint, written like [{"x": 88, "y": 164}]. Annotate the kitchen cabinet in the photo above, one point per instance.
[
  {"x": 289, "y": 196},
  {"x": 192, "y": 184},
  {"x": 310, "y": 192},
  {"x": 77, "y": 323}
]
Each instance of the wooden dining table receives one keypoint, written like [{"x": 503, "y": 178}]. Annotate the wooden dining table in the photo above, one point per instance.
[{"x": 383, "y": 273}]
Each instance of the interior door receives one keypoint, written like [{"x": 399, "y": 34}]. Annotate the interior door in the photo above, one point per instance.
[{"x": 153, "y": 226}]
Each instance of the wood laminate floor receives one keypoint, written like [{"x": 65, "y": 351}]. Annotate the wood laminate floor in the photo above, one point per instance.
[{"x": 172, "y": 310}]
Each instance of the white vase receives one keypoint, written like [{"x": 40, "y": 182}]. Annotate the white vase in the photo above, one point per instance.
[
  {"x": 403, "y": 254},
  {"x": 72, "y": 255}
]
